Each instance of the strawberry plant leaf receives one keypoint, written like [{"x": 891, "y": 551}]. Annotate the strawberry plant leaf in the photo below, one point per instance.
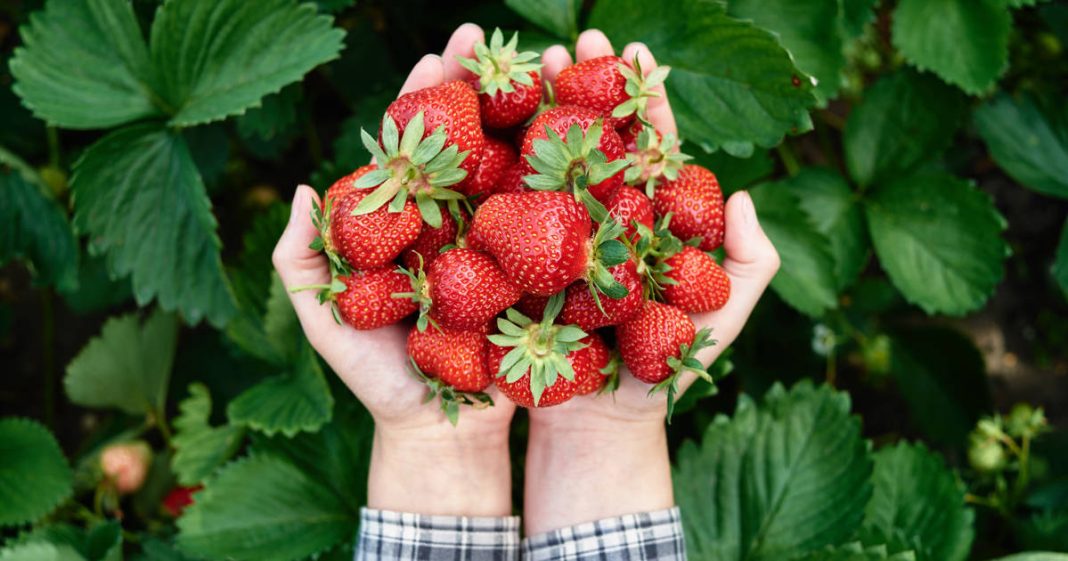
[
  {"x": 200, "y": 447},
  {"x": 559, "y": 17},
  {"x": 920, "y": 502},
  {"x": 162, "y": 231},
  {"x": 965, "y": 42},
  {"x": 34, "y": 476},
  {"x": 904, "y": 120},
  {"x": 939, "y": 240},
  {"x": 216, "y": 59},
  {"x": 91, "y": 51},
  {"x": 749, "y": 93},
  {"x": 809, "y": 30},
  {"x": 40, "y": 551},
  {"x": 942, "y": 378},
  {"x": 806, "y": 279},
  {"x": 1060, "y": 263},
  {"x": 266, "y": 509},
  {"x": 34, "y": 227},
  {"x": 733, "y": 173},
  {"x": 1035, "y": 556},
  {"x": 127, "y": 367},
  {"x": 274, "y": 118},
  {"x": 1028, "y": 138},
  {"x": 299, "y": 400},
  {"x": 755, "y": 487},
  {"x": 834, "y": 210},
  {"x": 855, "y": 15},
  {"x": 856, "y": 552}
]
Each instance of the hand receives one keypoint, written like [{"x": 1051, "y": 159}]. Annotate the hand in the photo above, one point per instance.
[
  {"x": 420, "y": 462},
  {"x": 606, "y": 455}
]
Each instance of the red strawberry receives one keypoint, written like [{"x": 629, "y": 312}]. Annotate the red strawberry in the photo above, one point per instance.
[
  {"x": 507, "y": 81},
  {"x": 602, "y": 84},
  {"x": 367, "y": 301},
  {"x": 695, "y": 202},
  {"x": 629, "y": 135},
  {"x": 178, "y": 499},
  {"x": 430, "y": 241},
  {"x": 589, "y": 365},
  {"x": 457, "y": 358},
  {"x": 657, "y": 337},
  {"x": 532, "y": 306},
  {"x": 497, "y": 158},
  {"x": 700, "y": 284},
  {"x": 519, "y": 391},
  {"x": 511, "y": 179},
  {"x": 653, "y": 159},
  {"x": 630, "y": 205},
  {"x": 369, "y": 241},
  {"x": 600, "y": 161},
  {"x": 580, "y": 307},
  {"x": 346, "y": 184},
  {"x": 462, "y": 289}
]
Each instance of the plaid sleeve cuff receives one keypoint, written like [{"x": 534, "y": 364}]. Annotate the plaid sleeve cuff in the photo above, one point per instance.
[
  {"x": 403, "y": 536},
  {"x": 648, "y": 536}
]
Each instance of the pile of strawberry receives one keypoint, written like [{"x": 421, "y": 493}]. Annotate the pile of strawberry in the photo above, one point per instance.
[{"x": 530, "y": 235}]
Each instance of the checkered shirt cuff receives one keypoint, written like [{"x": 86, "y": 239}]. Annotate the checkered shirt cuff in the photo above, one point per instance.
[
  {"x": 648, "y": 536},
  {"x": 404, "y": 536}
]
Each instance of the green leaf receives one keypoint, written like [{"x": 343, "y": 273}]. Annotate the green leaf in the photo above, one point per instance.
[
  {"x": 966, "y": 42},
  {"x": 264, "y": 508},
  {"x": 939, "y": 240},
  {"x": 128, "y": 366},
  {"x": 759, "y": 486},
  {"x": 33, "y": 226},
  {"x": 1060, "y": 264},
  {"x": 942, "y": 378},
  {"x": 809, "y": 30},
  {"x": 200, "y": 447},
  {"x": 155, "y": 550},
  {"x": 83, "y": 65},
  {"x": 274, "y": 117},
  {"x": 40, "y": 551},
  {"x": 1035, "y": 556},
  {"x": 920, "y": 502},
  {"x": 559, "y": 17},
  {"x": 855, "y": 15},
  {"x": 160, "y": 231},
  {"x": 216, "y": 59},
  {"x": 806, "y": 278},
  {"x": 834, "y": 210},
  {"x": 34, "y": 475},
  {"x": 904, "y": 120},
  {"x": 856, "y": 552},
  {"x": 290, "y": 403},
  {"x": 733, "y": 173},
  {"x": 1028, "y": 138},
  {"x": 748, "y": 93},
  {"x": 273, "y": 337}
]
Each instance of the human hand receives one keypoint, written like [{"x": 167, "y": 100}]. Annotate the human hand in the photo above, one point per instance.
[
  {"x": 606, "y": 455},
  {"x": 420, "y": 462}
]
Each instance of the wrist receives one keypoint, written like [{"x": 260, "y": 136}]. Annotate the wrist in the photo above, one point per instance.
[
  {"x": 446, "y": 471},
  {"x": 580, "y": 470}
]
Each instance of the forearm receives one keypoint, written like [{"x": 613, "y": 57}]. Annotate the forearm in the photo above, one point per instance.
[
  {"x": 446, "y": 473},
  {"x": 579, "y": 474}
]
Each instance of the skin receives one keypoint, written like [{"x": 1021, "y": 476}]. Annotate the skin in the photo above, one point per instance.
[{"x": 583, "y": 456}]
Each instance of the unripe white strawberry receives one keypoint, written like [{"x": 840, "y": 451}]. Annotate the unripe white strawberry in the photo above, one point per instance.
[{"x": 126, "y": 465}]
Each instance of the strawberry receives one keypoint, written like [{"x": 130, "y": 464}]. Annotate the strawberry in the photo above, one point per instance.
[
  {"x": 609, "y": 85},
  {"x": 431, "y": 241},
  {"x": 629, "y": 135},
  {"x": 511, "y": 179},
  {"x": 531, "y": 305},
  {"x": 592, "y": 365},
  {"x": 659, "y": 344},
  {"x": 535, "y": 361},
  {"x": 125, "y": 465},
  {"x": 369, "y": 241},
  {"x": 366, "y": 300},
  {"x": 178, "y": 499},
  {"x": 584, "y": 310},
  {"x": 654, "y": 159},
  {"x": 695, "y": 202},
  {"x": 571, "y": 150},
  {"x": 498, "y": 157},
  {"x": 462, "y": 289},
  {"x": 508, "y": 83},
  {"x": 698, "y": 284},
  {"x": 457, "y": 358},
  {"x": 542, "y": 240},
  {"x": 628, "y": 205}
]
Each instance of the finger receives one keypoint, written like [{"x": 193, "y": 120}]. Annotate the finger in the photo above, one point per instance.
[
  {"x": 553, "y": 61},
  {"x": 592, "y": 43},
  {"x": 462, "y": 43},
  {"x": 428, "y": 72},
  {"x": 298, "y": 265},
  {"x": 658, "y": 110}
]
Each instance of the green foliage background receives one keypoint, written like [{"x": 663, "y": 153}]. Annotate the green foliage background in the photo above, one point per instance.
[{"x": 909, "y": 159}]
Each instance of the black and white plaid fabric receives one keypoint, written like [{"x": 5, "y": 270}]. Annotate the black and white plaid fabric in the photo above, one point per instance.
[
  {"x": 397, "y": 536},
  {"x": 403, "y": 536},
  {"x": 648, "y": 536}
]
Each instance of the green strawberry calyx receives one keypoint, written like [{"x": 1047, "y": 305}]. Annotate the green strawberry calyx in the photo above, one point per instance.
[
  {"x": 411, "y": 166},
  {"x": 653, "y": 247},
  {"x": 685, "y": 362},
  {"x": 420, "y": 294},
  {"x": 500, "y": 66},
  {"x": 606, "y": 252},
  {"x": 327, "y": 293},
  {"x": 541, "y": 348},
  {"x": 451, "y": 399},
  {"x": 640, "y": 87},
  {"x": 573, "y": 163},
  {"x": 655, "y": 160}
]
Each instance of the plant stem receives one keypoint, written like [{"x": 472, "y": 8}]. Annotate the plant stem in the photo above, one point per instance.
[
  {"x": 161, "y": 423},
  {"x": 789, "y": 159},
  {"x": 53, "y": 147}
]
